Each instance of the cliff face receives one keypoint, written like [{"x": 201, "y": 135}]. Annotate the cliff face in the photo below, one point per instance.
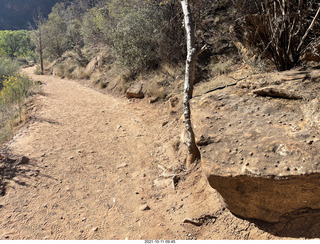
[{"x": 16, "y": 14}]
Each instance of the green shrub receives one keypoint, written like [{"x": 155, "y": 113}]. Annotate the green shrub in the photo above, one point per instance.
[
  {"x": 15, "y": 43},
  {"x": 15, "y": 90},
  {"x": 140, "y": 34},
  {"x": 134, "y": 38},
  {"x": 7, "y": 67},
  {"x": 95, "y": 26}
]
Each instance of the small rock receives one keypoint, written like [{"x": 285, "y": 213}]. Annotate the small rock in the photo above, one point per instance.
[
  {"x": 162, "y": 183},
  {"x": 122, "y": 166},
  {"x": 23, "y": 160},
  {"x": 153, "y": 99},
  {"x": 71, "y": 158},
  {"x": 95, "y": 229},
  {"x": 165, "y": 123},
  {"x": 135, "y": 91},
  {"x": 144, "y": 207},
  {"x": 84, "y": 219},
  {"x": 30, "y": 174},
  {"x": 310, "y": 142},
  {"x": 190, "y": 221}
]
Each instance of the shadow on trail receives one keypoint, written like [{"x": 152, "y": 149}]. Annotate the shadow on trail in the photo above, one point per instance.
[
  {"x": 304, "y": 223},
  {"x": 11, "y": 167}
]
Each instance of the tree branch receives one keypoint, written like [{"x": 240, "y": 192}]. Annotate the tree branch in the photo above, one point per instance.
[{"x": 308, "y": 30}]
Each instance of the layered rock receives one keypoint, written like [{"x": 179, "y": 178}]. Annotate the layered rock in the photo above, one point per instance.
[{"x": 259, "y": 143}]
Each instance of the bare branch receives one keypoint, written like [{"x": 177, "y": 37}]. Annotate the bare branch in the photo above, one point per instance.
[{"x": 308, "y": 30}]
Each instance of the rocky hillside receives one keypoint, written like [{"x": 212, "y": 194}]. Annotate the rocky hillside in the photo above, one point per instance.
[{"x": 16, "y": 14}]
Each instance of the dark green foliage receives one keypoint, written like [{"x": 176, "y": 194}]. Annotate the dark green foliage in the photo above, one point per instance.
[
  {"x": 7, "y": 68},
  {"x": 141, "y": 33},
  {"x": 15, "y": 43}
]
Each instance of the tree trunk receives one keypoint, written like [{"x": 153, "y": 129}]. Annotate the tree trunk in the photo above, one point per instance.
[
  {"x": 41, "y": 52},
  {"x": 192, "y": 54}
]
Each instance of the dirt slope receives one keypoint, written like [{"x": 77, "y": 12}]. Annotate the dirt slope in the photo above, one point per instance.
[{"x": 94, "y": 162}]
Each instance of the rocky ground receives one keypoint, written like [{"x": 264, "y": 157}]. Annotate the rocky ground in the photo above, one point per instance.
[{"x": 103, "y": 167}]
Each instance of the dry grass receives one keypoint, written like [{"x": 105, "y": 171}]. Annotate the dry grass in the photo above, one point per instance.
[
  {"x": 219, "y": 81},
  {"x": 221, "y": 68},
  {"x": 155, "y": 90},
  {"x": 80, "y": 73}
]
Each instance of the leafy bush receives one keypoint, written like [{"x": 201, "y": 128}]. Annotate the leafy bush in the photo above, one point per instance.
[
  {"x": 12, "y": 97},
  {"x": 95, "y": 26},
  {"x": 7, "y": 68},
  {"x": 15, "y": 43},
  {"x": 140, "y": 33},
  {"x": 135, "y": 37},
  {"x": 55, "y": 30}
]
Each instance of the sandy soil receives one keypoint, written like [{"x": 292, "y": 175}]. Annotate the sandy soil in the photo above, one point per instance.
[{"x": 94, "y": 165}]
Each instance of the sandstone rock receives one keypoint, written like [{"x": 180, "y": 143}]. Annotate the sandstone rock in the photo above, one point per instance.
[
  {"x": 123, "y": 165},
  {"x": 94, "y": 229},
  {"x": 144, "y": 207},
  {"x": 93, "y": 64},
  {"x": 278, "y": 93},
  {"x": 266, "y": 164},
  {"x": 135, "y": 91}
]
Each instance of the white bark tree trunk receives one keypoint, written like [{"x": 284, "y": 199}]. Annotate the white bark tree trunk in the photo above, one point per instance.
[{"x": 192, "y": 54}]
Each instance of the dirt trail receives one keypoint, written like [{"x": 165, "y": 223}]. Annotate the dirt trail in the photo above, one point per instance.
[{"x": 94, "y": 162}]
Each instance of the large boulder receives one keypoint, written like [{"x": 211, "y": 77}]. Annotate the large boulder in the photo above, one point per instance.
[{"x": 260, "y": 143}]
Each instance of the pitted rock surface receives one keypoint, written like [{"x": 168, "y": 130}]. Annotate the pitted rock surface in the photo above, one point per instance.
[{"x": 260, "y": 151}]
